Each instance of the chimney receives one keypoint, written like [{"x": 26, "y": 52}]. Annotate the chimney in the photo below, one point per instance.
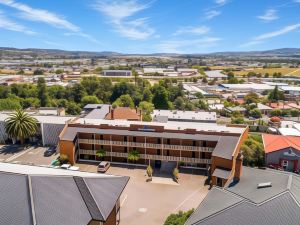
[
  {"x": 112, "y": 113},
  {"x": 238, "y": 167}
]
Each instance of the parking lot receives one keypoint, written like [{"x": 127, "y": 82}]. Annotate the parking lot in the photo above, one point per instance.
[
  {"x": 149, "y": 203},
  {"x": 25, "y": 155}
]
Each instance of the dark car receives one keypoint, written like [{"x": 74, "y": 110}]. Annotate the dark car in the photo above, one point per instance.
[{"x": 50, "y": 151}]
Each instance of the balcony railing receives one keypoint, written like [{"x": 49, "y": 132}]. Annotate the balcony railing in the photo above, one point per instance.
[
  {"x": 145, "y": 145},
  {"x": 151, "y": 157}
]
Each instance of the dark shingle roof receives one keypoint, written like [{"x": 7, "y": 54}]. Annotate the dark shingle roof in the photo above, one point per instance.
[
  {"x": 242, "y": 203},
  {"x": 57, "y": 200},
  {"x": 52, "y": 199},
  {"x": 15, "y": 207}
]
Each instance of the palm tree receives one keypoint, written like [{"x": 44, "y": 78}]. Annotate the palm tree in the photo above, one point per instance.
[
  {"x": 20, "y": 125},
  {"x": 134, "y": 155},
  {"x": 101, "y": 153}
]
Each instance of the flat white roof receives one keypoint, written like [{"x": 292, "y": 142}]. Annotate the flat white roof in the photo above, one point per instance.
[
  {"x": 40, "y": 170},
  {"x": 290, "y": 88},
  {"x": 184, "y": 115},
  {"x": 172, "y": 125},
  {"x": 215, "y": 74},
  {"x": 44, "y": 119},
  {"x": 289, "y": 132},
  {"x": 250, "y": 86}
]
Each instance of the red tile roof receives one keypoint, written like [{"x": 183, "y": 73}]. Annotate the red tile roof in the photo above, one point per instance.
[
  {"x": 123, "y": 113},
  {"x": 274, "y": 143},
  {"x": 279, "y": 105}
]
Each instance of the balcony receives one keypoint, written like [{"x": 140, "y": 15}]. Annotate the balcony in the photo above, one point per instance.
[
  {"x": 146, "y": 145},
  {"x": 151, "y": 157}
]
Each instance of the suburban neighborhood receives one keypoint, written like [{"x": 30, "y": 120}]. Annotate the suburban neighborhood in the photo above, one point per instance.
[{"x": 141, "y": 112}]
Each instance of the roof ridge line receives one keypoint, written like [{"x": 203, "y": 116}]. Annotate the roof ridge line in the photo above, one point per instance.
[
  {"x": 92, "y": 196},
  {"x": 84, "y": 199},
  {"x": 31, "y": 200}
]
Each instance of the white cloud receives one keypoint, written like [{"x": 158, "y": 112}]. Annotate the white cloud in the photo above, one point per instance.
[
  {"x": 211, "y": 14},
  {"x": 181, "y": 46},
  {"x": 260, "y": 38},
  {"x": 269, "y": 15},
  {"x": 40, "y": 15},
  {"x": 192, "y": 30},
  {"x": 276, "y": 33},
  {"x": 44, "y": 16},
  {"x": 7, "y": 24},
  {"x": 119, "y": 12},
  {"x": 220, "y": 2}
]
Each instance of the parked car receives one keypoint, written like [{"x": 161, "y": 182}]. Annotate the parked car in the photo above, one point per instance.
[
  {"x": 103, "y": 166},
  {"x": 50, "y": 151}
]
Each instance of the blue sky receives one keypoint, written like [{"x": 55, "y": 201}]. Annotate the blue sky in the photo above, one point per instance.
[{"x": 150, "y": 26}]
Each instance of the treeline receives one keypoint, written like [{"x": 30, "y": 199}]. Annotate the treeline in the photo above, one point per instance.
[{"x": 167, "y": 94}]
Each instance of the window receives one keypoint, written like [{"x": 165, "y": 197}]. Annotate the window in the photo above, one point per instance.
[
  {"x": 168, "y": 141},
  {"x": 125, "y": 138},
  {"x": 204, "y": 143},
  {"x": 168, "y": 153},
  {"x": 193, "y": 155},
  {"x": 158, "y": 151},
  {"x": 219, "y": 182},
  {"x": 202, "y": 155},
  {"x": 158, "y": 141},
  {"x": 285, "y": 164},
  {"x": 101, "y": 137},
  {"x": 134, "y": 139},
  {"x": 125, "y": 149}
]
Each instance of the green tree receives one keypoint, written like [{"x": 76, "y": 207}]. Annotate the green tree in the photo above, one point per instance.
[
  {"x": 276, "y": 112},
  {"x": 179, "y": 103},
  {"x": 160, "y": 98},
  {"x": 276, "y": 95},
  {"x": 77, "y": 92},
  {"x": 38, "y": 72},
  {"x": 9, "y": 104},
  {"x": 256, "y": 113},
  {"x": 73, "y": 109},
  {"x": 146, "y": 107},
  {"x": 147, "y": 95},
  {"x": 91, "y": 84},
  {"x": 179, "y": 218},
  {"x": 253, "y": 151},
  {"x": 251, "y": 97},
  {"x": 59, "y": 71},
  {"x": 89, "y": 99},
  {"x": 20, "y": 125},
  {"x": 124, "y": 101},
  {"x": 30, "y": 102},
  {"x": 42, "y": 92}
]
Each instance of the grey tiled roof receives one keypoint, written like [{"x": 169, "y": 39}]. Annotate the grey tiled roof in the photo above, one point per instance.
[
  {"x": 242, "y": 203},
  {"x": 225, "y": 147},
  {"x": 52, "y": 199}
]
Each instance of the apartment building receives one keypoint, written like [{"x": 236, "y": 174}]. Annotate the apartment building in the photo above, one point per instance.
[{"x": 200, "y": 145}]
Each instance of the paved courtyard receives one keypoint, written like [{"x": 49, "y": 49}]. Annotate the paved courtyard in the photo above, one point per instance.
[
  {"x": 149, "y": 203},
  {"x": 30, "y": 155}
]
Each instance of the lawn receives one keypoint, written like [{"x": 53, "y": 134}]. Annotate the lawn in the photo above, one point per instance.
[{"x": 284, "y": 71}]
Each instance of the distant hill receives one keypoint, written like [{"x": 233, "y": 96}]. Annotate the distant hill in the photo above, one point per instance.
[{"x": 56, "y": 53}]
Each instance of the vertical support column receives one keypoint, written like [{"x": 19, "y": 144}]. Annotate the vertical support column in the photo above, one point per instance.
[
  {"x": 94, "y": 146},
  {"x": 110, "y": 148},
  {"x": 162, "y": 148},
  {"x": 146, "y": 151}
]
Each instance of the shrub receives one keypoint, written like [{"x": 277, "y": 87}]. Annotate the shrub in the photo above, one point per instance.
[
  {"x": 176, "y": 174},
  {"x": 178, "y": 219},
  {"x": 149, "y": 171}
]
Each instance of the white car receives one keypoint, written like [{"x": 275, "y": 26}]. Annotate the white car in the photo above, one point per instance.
[{"x": 103, "y": 166}]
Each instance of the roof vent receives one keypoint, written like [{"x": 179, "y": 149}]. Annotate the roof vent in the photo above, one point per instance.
[{"x": 264, "y": 185}]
